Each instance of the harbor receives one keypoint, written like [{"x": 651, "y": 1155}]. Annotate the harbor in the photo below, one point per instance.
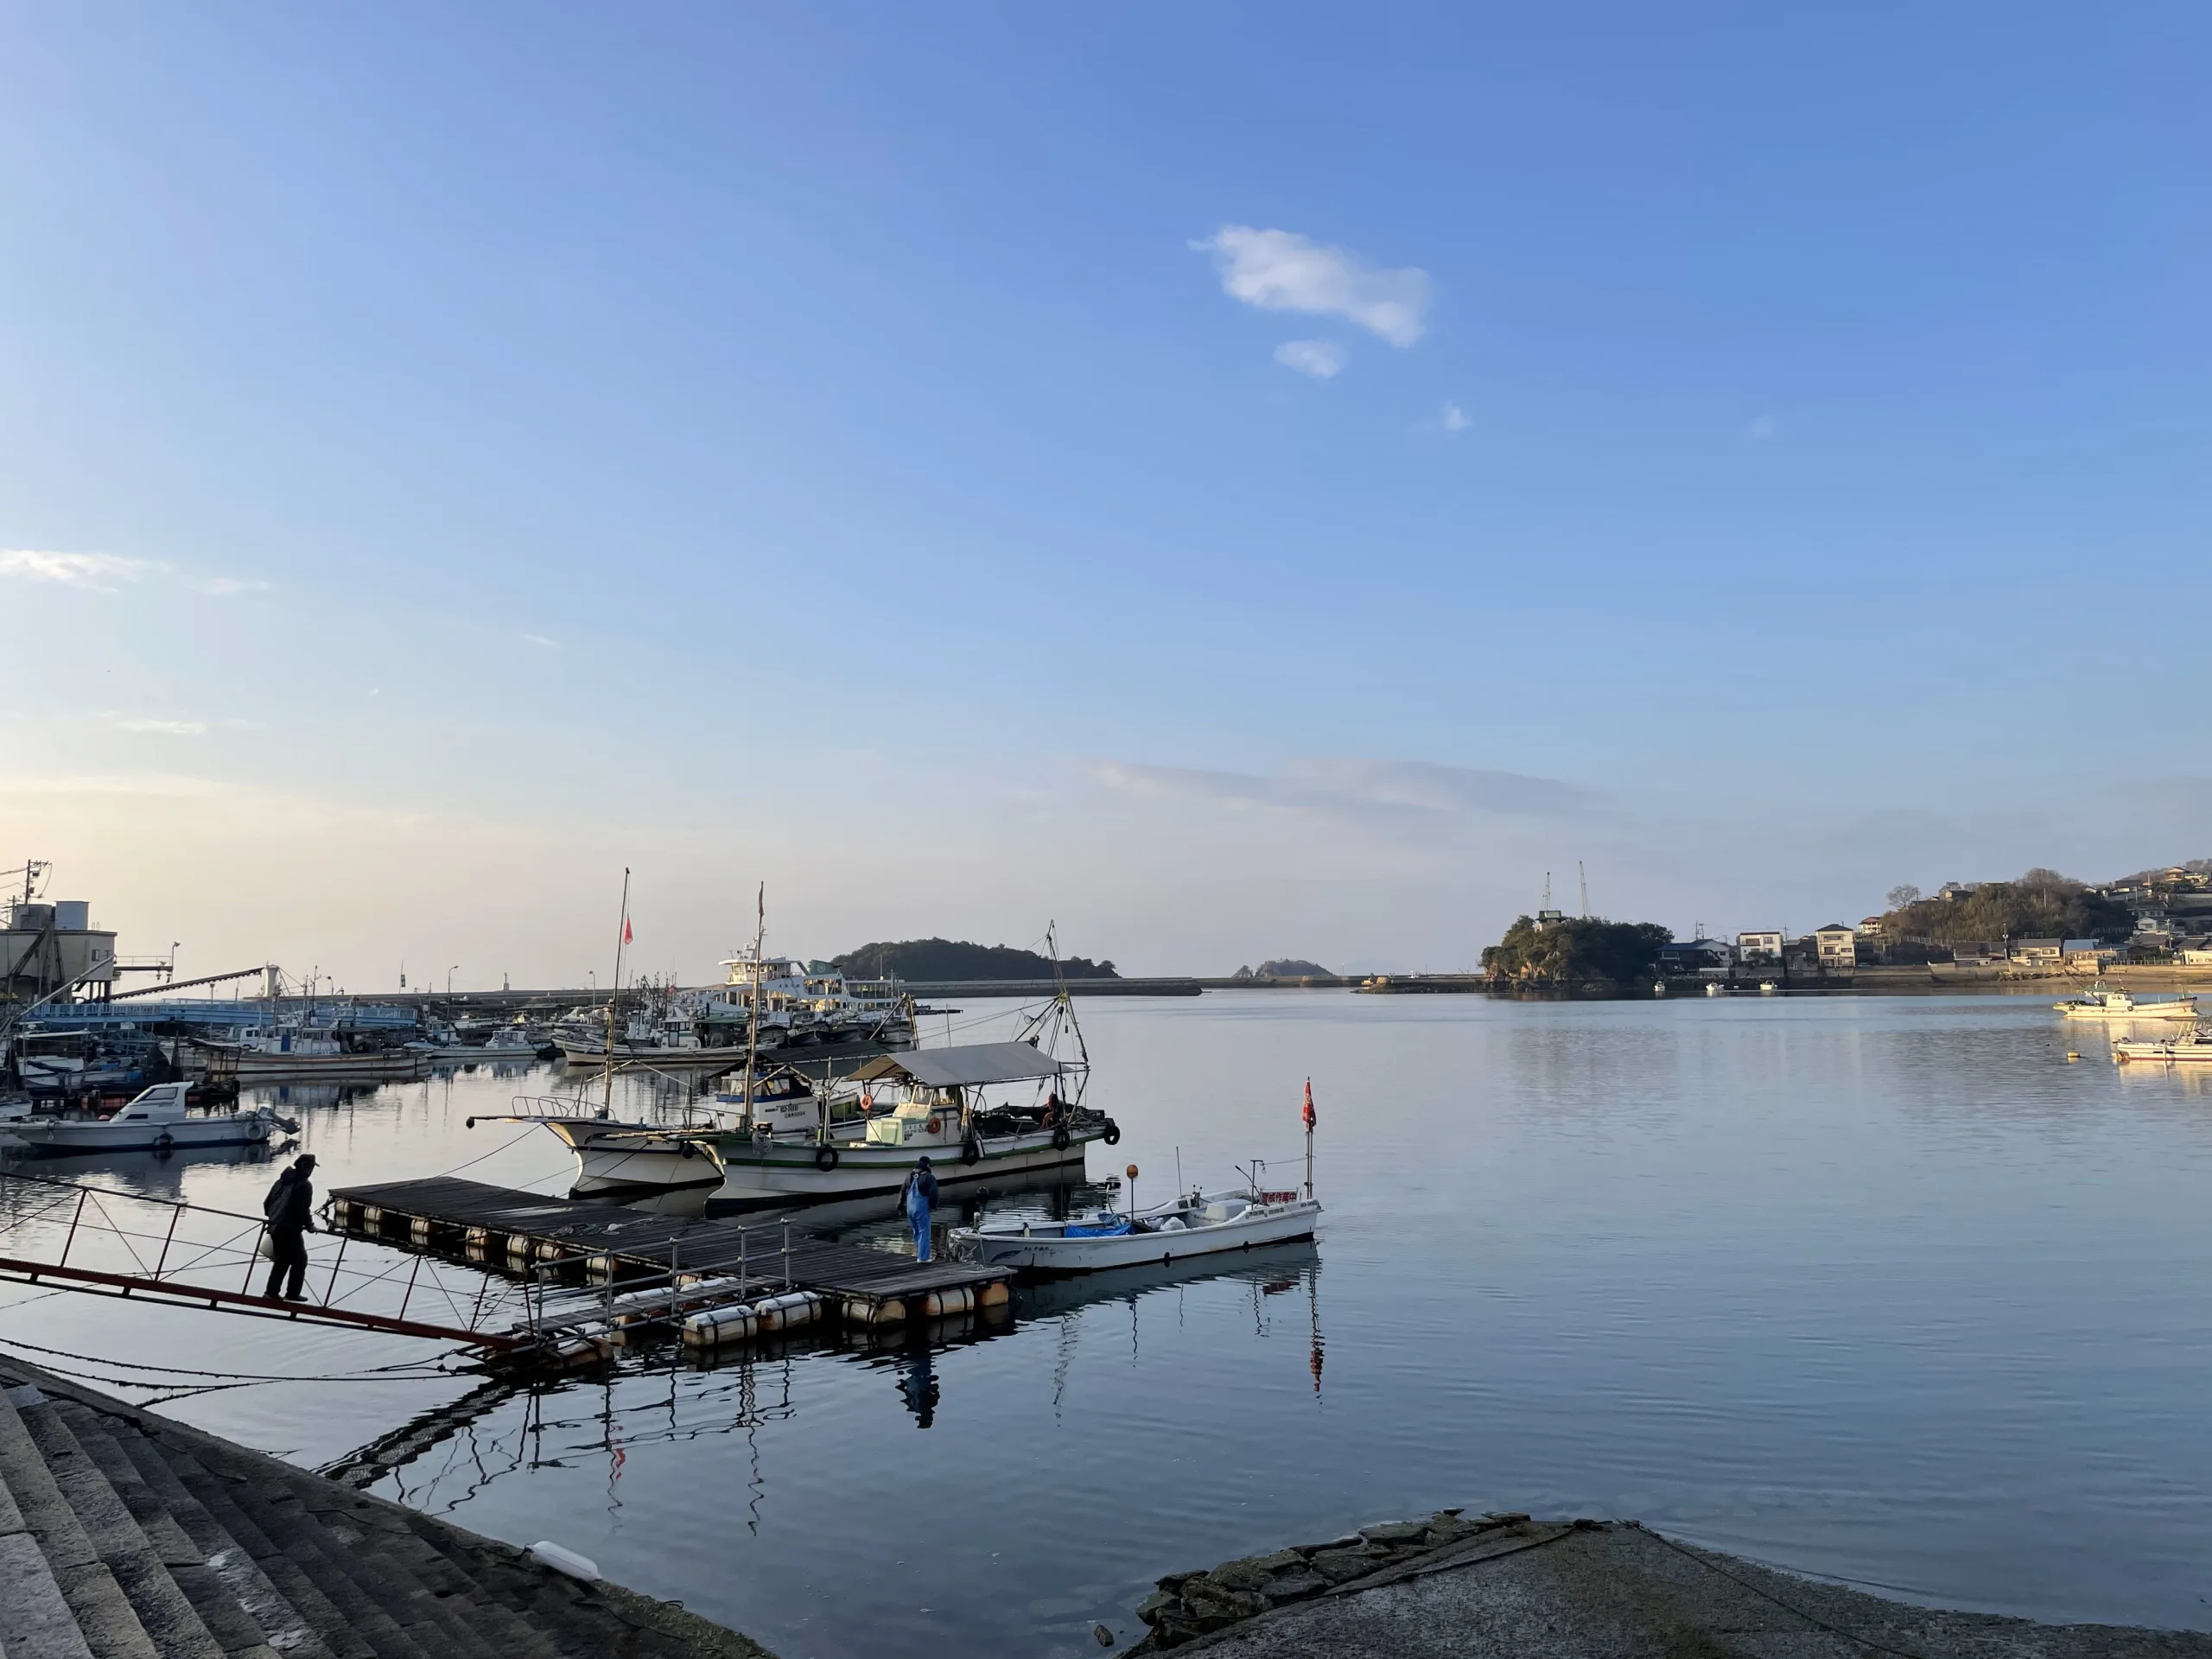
[{"x": 1567, "y": 1263}]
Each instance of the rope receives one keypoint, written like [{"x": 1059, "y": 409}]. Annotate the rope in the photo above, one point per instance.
[
  {"x": 1769, "y": 1595},
  {"x": 406, "y": 1369}
]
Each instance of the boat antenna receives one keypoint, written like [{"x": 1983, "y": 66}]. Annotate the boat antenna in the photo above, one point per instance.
[
  {"x": 1067, "y": 1005},
  {"x": 615, "y": 995},
  {"x": 753, "y": 1023}
]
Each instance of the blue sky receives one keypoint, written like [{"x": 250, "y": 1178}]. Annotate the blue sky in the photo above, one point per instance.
[{"x": 880, "y": 451}]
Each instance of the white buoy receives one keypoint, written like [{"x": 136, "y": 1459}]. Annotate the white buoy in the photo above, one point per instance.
[{"x": 565, "y": 1561}]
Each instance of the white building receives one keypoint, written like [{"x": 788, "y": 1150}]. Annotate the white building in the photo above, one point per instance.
[{"x": 1759, "y": 950}]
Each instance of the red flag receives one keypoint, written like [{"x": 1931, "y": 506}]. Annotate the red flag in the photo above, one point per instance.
[
  {"x": 1309, "y": 1102},
  {"x": 625, "y": 930}
]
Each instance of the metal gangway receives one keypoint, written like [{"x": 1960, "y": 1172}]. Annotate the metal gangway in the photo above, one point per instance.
[{"x": 101, "y": 1241}]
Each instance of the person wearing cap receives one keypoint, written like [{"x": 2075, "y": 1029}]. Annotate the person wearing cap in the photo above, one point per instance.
[
  {"x": 919, "y": 1197},
  {"x": 290, "y": 1209}
]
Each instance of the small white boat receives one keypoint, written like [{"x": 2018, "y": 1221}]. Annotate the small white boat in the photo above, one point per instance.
[
  {"x": 1198, "y": 1224},
  {"x": 156, "y": 1120},
  {"x": 2100, "y": 1002},
  {"x": 2192, "y": 1048}
]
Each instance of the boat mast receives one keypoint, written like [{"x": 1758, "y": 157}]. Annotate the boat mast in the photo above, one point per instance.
[
  {"x": 615, "y": 995},
  {"x": 753, "y": 1023}
]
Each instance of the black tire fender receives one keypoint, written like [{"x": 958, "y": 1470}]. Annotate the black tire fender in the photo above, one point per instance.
[
  {"x": 1061, "y": 1139},
  {"x": 1113, "y": 1136},
  {"x": 971, "y": 1149},
  {"x": 164, "y": 1141},
  {"x": 825, "y": 1159}
]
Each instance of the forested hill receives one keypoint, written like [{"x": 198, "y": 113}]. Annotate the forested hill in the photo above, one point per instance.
[
  {"x": 953, "y": 959},
  {"x": 2040, "y": 904}
]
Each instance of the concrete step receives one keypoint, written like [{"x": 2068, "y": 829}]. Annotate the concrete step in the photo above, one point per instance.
[
  {"x": 234, "y": 1625},
  {"x": 104, "y": 1621},
  {"x": 164, "y": 1612},
  {"x": 287, "y": 1628},
  {"x": 310, "y": 1570},
  {"x": 40, "y": 1623},
  {"x": 398, "y": 1562}
]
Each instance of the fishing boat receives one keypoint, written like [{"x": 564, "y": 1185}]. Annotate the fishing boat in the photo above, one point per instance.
[
  {"x": 2100, "y": 1002},
  {"x": 632, "y": 1160},
  {"x": 955, "y": 1106},
  {"x": 2190, "y": 1048},
  {"x": 157, "y": 1120},
  {"x": 1197, "y": 1223},
  {"x": 297, "y": 1051}
]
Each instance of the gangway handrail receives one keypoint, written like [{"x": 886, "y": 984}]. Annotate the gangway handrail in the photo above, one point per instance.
[{"x": 245, "y": 1243}]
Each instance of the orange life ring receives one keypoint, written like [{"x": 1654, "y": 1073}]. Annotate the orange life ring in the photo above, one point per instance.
[{"x": 937, "y": 1125}]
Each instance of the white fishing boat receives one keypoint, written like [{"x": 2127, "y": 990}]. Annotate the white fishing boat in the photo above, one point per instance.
[
  {"x": 2190, "y": 1048},
  {"x": 157, "y": 1120},
  {"x": 933, "y": 1103},
  {"x": 1197, "y": 1223},
  {"x": 512, "y": 1041},
  {"x": 2100, "y": 1002}
]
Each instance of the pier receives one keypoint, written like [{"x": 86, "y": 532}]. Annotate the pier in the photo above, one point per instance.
[{"x": 491, "y": 1224}]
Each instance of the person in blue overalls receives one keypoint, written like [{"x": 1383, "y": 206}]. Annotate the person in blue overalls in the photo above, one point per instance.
[{"x": 920, "y": 1197}]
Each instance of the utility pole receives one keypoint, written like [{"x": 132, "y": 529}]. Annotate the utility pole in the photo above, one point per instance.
[{"x": 1583, "y": 879}]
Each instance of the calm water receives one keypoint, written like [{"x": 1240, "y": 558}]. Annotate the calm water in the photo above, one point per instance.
[{"x": 1875, "y": 1287}]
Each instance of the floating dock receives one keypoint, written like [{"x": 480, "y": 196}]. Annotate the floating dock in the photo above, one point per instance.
[{"x": 501, "y": 1225}]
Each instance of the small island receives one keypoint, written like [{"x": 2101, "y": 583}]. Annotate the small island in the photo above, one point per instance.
[
  {"x": 1285, "y": 967},
  {"x": 946, "y": 960},
  {"x": 1556, "y": 952}
]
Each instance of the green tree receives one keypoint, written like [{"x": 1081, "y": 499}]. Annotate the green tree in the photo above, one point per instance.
[{"x": 2042, "y": 903}]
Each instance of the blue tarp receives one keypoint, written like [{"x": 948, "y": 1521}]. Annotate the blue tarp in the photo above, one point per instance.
[{"x": 1113, "y": 1229}]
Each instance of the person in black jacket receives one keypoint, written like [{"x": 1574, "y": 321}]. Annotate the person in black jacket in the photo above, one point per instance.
[{"x": 290, "y": 1209}]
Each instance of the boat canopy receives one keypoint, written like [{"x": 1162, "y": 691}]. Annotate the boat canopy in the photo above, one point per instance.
[{"x": 964, "y": 1067}]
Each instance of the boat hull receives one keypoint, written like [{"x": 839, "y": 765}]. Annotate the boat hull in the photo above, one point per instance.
[
  {"x": 1275, "y": 1223},
  {"x": 61, "y": 1138},
  {"x": 622, "y": 1160},
  {"x": 2176, "y": 1010},
  {"x": 785, "y": 1171},
  {"x": 398, "y": 1065},
  {"x": 2171, "y": 1053}
]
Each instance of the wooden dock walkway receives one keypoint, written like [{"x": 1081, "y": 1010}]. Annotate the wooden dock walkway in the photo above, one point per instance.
[{"x": 497, "y": 1223}]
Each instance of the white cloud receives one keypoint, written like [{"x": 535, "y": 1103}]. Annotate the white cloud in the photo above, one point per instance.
[
  {"x": 104, "y": 572},
  {"x": 1760, "y": 429},
  {"x": 1454, "y": 418},
  {"x": 1322, "y": 359},
  {"x": 1280, "y": 271},
  {"x": 163, "y": 728},
  {"x": 95, "y": 570},
  {"x": 537, "y": 639}
]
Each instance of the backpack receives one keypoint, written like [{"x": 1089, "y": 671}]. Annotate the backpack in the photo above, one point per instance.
[{"x": 275, "y": 1202}]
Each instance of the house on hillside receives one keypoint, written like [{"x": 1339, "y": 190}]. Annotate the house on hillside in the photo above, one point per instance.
[
  {"x": 1981, "y": 953},
  {"x": 2040, "y": 954},
  {"x": 1835, "y": 948},
  {"x": 1956, "y": 889}
]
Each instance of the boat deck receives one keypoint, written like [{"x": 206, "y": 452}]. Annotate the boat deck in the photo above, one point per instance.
[{"x": 866, "y": 1284}]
